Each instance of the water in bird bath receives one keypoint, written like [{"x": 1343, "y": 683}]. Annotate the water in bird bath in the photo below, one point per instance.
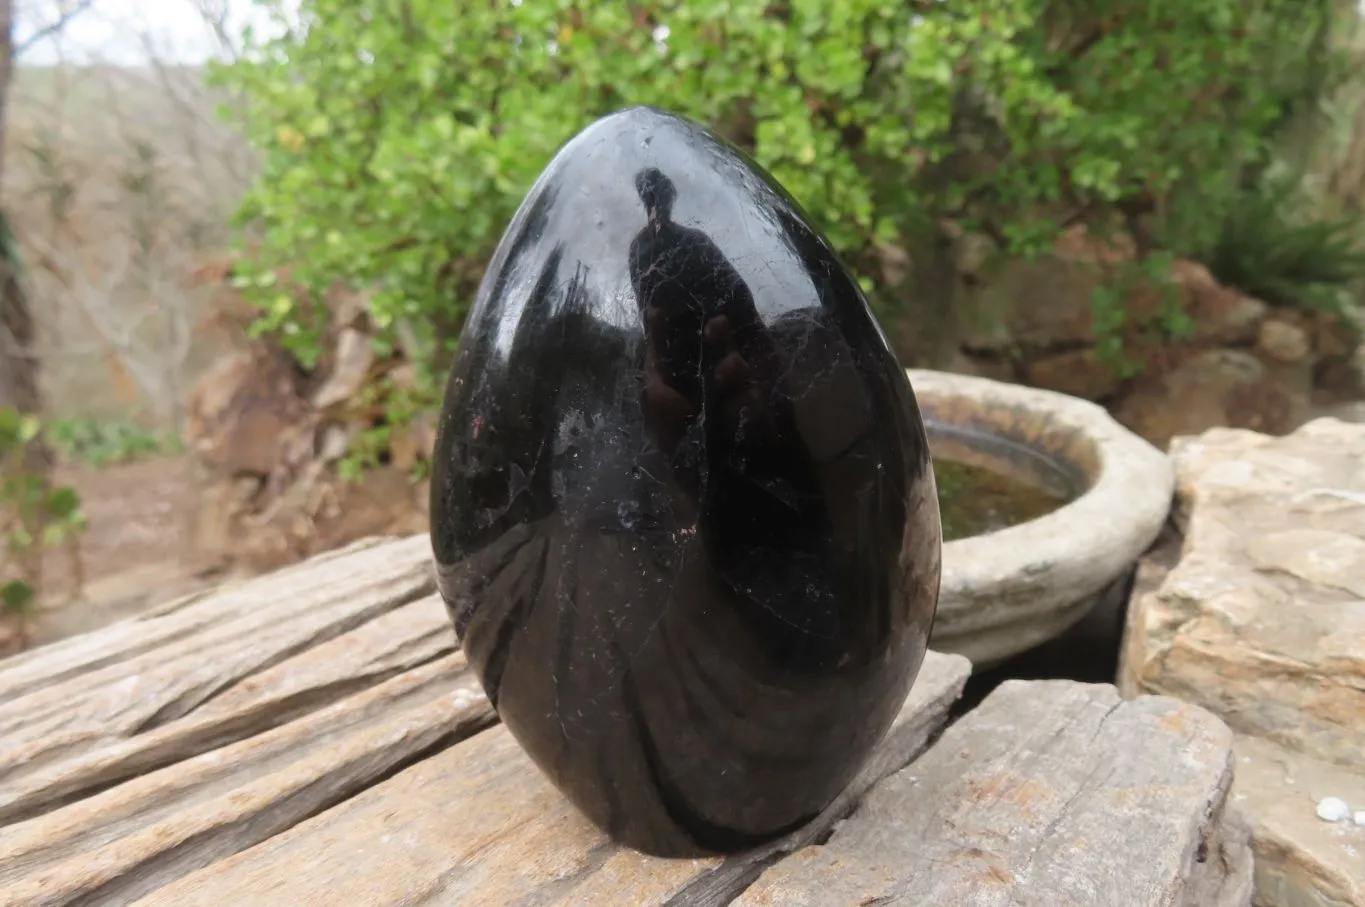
[{"x": 987, "y": 484}]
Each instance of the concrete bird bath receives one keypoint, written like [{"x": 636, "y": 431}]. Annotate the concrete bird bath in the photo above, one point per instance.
[{"x": 1047, "y": 502}]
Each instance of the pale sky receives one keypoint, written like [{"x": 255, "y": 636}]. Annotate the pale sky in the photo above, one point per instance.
[{"x": 121, "y": 31}]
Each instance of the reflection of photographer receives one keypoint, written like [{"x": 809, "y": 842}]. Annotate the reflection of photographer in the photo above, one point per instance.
[
  {"x": 709, "y": 367},
  {"x": 716, "y": 402}
]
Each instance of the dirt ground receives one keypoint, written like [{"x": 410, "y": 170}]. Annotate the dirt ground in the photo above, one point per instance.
[{"x": 134, "y": 553}]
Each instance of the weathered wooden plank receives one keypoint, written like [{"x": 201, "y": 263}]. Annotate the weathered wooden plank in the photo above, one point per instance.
[
  {"x": 400, "y": 640},
  {"x": 273, "y": 622},
  {"x": 393, "y": 642},
  {"x": 131, "y": 839},
  {"x": 477, "y": 824},
  {"x": 68, "y": 658},
  {"x": 1054, "y": 794}
]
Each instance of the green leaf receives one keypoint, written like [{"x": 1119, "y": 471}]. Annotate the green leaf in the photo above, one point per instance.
[
  {"x": 62, "y": 503},
  {"x": 11, "y": 428},
  {"x": 16, "y": 596},
  {"x": 29, "y": 427}
]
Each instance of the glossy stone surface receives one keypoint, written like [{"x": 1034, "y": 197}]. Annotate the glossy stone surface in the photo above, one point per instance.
[{"x": 682, "y": 507}]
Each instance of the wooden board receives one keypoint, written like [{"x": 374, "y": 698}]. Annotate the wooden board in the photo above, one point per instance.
[
  {"x": 398, "y": 641},
  {"x": 477, "y": 824},
  {"x": 133, "y": 838},
  {"x": 1054, "y": 794},
  {"x": 78, "y": 655},
  {"x": 315, "y": 737},
  {"x": 88, "y": 695}
]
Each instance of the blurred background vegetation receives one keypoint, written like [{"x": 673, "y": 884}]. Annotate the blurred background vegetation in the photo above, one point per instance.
[
  {"x": 396, "y": 142},
  {"x": 349, "y": 163}
]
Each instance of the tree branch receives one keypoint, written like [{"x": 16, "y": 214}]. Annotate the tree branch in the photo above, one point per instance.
[{"x": 53, "y": 28}]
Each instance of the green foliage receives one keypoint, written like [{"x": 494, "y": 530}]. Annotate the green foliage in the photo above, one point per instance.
[
  {"x": 1112, "y": 323},
  {"x": 398, "y": 137},
  {"x": 35, "y": 515},
  {"x": 1271, "y": 248},
  {"x": 104, "y": 442},
  {"x": 401, "y": 403}
]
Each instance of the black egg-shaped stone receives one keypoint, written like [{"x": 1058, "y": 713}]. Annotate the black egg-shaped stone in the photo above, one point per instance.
[{"x": 682, "y": 506}]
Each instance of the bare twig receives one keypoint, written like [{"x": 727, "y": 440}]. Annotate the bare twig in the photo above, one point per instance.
[
  {"x": 47, "y": 31},
  {"x": 215, "y": 15}
]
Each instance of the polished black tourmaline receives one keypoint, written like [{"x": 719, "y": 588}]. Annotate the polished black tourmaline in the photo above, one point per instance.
[{"x": 682, "y": 506}]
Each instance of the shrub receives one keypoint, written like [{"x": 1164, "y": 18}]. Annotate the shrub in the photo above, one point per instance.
[
  {"x": 398, "y": 137},
  {"x": 35, "y": 515},
  {"x": 1274, "y": 249},
  {"x": 103, "y": 442}
]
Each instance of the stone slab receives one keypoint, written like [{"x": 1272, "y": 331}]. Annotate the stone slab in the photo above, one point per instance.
[
  {"x": 1262, "y": 620},
  {"x": 1256, "y": 611},
  {"x": 1301, "y": 861},
  {"x": 1049, "y": 793}
]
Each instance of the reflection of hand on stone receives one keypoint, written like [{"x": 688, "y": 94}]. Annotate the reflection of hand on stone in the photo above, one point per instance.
[
  {"x": 667, "y": 411},
  {"x": 740, "y": 396}
]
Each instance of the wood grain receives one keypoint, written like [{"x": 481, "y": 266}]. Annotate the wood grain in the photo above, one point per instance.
[
  {"x": 111, "y": 686},
  {"x": 315, "y": 737},
  {"x": 131, "y": 839},
  {"x": 1055, "y": 794},
  {"x": 400, "y": 640},
  {"x": 62, "y": 660},
  {"x": 477, "y": 824}
]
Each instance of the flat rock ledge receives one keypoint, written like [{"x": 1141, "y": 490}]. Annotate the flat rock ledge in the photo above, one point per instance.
[
  {"x": 1255, "y": 610},
  {"x": 314, "y": 737}
]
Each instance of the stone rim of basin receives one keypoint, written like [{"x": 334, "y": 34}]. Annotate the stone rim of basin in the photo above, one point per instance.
[{"x": 1008, "y": 591}]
